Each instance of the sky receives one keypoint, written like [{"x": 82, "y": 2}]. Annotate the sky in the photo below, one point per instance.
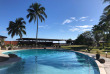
[{"x": 66, "y": 18}]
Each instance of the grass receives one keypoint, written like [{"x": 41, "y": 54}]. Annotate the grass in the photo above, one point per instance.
[{"x": 82, "y": 48}]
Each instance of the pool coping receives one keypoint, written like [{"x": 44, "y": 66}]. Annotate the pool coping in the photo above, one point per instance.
[{"x": 14, "y": 60}]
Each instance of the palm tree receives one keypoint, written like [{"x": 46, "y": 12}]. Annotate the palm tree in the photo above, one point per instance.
[
  {"x": 107, "y": 8},
  {"x": 106, "y": 0},
  {"x": 17, "y": 27},
  {"x": 35, "y": 12}
]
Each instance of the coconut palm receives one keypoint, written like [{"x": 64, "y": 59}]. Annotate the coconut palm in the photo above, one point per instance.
[
  {"x": 106, "y": 0},
  {"x": 105, "y": 23},
  {"x": 107, "y": 9},
  {"x": 35, "y": 12},
  {"x": 17, "y": 27}
]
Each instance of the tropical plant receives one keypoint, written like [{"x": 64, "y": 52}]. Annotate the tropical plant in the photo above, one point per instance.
[
  {"x": 35, "y": 12},
  {"x": 17, "y": 27},
  {"x": 105, "y": 25},
  {"x": 107, "y": 8}
]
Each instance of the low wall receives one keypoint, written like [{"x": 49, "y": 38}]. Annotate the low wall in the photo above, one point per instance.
[{"x": 11, "y": 42}]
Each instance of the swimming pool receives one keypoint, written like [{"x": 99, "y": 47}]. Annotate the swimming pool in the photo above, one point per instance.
[{"x": 47, "y": 61}]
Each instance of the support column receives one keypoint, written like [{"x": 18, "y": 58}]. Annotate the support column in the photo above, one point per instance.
[
  {"x": 103, "y": 45},
  {"x": 58, "y": 42}
]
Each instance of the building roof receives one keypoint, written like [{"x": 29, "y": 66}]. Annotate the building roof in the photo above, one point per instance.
[
  {"x": 42, "y": 39},
  {"x": 3, "y": 36}
]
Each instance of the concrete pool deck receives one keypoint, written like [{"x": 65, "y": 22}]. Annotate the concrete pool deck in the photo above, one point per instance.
[{"x": 104, "y": 68}]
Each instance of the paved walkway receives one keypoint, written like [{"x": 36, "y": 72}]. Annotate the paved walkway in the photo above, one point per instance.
[
  {"x": 107, "y": 65},
  {"x": 102, "y": 67}
]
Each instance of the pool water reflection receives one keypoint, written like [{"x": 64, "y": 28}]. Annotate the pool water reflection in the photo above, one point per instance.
[{"x": 37, "y": 61}]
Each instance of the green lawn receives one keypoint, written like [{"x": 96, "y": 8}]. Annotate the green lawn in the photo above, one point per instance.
[{"x": 83, "y": 48}]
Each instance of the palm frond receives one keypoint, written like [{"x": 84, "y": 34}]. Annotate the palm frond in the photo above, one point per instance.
[
  {"x": 20, "y": 19},
  {"x": 107, "y": 8},
  {"x": 31, "y": 18},
  {"x": 24, "y": 32},
  {"x": 108, "y": 12},
  {"x": 30, "y": 10},
  {"x": 23, "y": 22},
  {"x": 16, "y": 27},
  {"x": 106, "y": 1}
]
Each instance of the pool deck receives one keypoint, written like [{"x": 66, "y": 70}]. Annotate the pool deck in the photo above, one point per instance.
[{"x": 104, "y": 68}]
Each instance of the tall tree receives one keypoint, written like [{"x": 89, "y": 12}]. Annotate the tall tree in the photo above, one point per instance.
[
  {"x": 85, "y": 38},
  {"x": 17, "y": 27},
  {"x": 97, "y": 33},
  {"x": 35, "y": 12},
  {"x": 104, "y": 25},
  {"x": 107, "y": 8},
  {"x": 69, "y": 41}
]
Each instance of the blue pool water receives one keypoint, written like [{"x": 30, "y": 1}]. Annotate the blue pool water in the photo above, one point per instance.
[{"x": 37, "y": 61}]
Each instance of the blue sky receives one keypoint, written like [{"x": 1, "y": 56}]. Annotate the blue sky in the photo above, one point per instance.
[{"x": 66, "y": 18}]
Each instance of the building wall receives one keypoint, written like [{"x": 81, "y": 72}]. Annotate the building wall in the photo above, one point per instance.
[{"x": 11, "y": 42}]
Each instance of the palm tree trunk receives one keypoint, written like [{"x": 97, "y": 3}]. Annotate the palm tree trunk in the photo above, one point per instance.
[{"x": 37, "y": 32}]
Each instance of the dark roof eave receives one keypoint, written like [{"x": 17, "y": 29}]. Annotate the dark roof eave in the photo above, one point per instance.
[
  {"x": 41, "y": 39},
  {"x": 3, "y": 36}
]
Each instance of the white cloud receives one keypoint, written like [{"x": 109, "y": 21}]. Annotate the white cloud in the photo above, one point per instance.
[
  {"x": 85, "y": 26},
  {"x": 83, "y": 17},
  {"x": 86, "y": 30},
  {"x": 73, "y": 18},
  {"x": 91, "y": 20},
  {"x": 44, "y": 26},
  {"x": 67, "y": 21},
  {"x": 80, "y": 28},
  {"x": 74, "y": 29}
]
